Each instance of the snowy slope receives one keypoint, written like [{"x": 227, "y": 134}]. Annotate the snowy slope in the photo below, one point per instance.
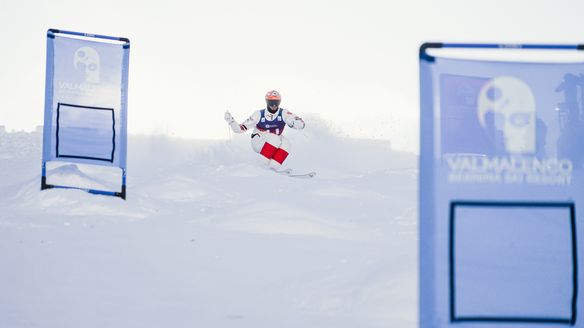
[{"x": 208, "y": 238}]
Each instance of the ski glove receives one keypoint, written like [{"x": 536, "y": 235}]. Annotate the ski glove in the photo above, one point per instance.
[
  {"x": 228, "y": 118},
  {"x": 297, "y": 124}
]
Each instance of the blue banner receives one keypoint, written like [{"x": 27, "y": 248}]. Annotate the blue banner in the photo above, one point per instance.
[
  {"x": 86, "y": 100},
  {"x": 501, "y": 191}
]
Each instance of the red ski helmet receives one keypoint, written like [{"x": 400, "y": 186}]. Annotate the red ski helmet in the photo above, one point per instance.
[
  {"x": 273, "y": 95},
  {"x": 273, "y": 101}
]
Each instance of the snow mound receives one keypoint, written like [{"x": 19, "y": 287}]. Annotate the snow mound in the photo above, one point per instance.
[{"x": 208, "y": 237}]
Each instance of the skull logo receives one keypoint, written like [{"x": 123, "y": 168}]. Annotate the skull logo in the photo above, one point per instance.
[
  {"x": 86, "y": 59},
  {"x": 513, "y": 104}
]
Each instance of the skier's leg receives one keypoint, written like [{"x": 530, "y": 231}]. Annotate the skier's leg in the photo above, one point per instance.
[
  {"x": 268, "y": 150},
  {"x": 282, "y": 152},
  {"x": 265, "y": 144}
]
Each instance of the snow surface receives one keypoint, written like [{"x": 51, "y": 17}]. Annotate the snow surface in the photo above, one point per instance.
[{"x": 209, "y": 238}]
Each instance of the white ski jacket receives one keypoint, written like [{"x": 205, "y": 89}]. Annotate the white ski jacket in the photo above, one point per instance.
[{"x": 257, "y": 121}]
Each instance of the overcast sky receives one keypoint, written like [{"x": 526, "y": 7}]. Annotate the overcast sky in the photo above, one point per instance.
[{"x": 353, "y": 63}]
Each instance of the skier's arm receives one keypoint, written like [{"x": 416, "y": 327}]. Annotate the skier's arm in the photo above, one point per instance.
[
  {"x": 247, "y": 124},
  {"x": 293, "y": 120}
]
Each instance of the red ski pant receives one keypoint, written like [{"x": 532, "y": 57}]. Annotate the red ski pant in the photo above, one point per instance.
[{"x": 271, "y": 146}]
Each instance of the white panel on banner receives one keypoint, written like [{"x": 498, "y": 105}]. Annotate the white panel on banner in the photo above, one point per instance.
[
  {"x": 85, "y": 132},
  {"x": 516, "y": 256}
]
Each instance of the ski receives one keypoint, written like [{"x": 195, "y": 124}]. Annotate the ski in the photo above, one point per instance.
[
  {"x": 285, "y": 172},
  {"x": 290, "y": 173},
  {"x": 304, "y": 175}
]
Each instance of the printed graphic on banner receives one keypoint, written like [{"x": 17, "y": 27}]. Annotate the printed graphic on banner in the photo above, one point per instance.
[
  {"x": 458, "y": 100},
  {"x": 86, "y": 61},
  {"x": 512, "y": 103},
  {"x": 505, "y": 140},
  {"x": 82, "y": 71},
  {"x": 571, "y": 116}
]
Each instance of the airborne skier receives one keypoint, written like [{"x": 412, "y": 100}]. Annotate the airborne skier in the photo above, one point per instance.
[{"x": 269, "y": 123}]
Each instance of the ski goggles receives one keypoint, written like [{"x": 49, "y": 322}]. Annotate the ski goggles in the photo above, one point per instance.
[{"x": 272, "y": 103}]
